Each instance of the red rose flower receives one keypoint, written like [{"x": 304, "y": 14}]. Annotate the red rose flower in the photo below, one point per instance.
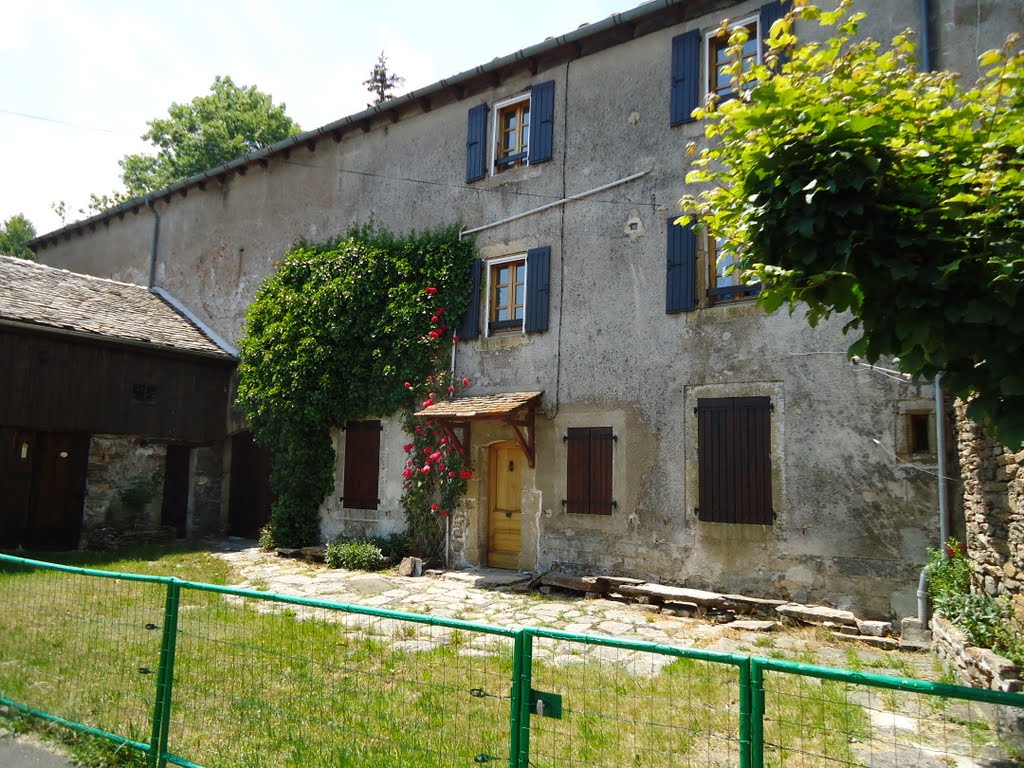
[
  {"x": 426, "y": 469},
  {"x": 433, "y": 318},
  {"x": 451, "y": 390},
  {"x": 465, "y": 382},
  {"x": 407, "y": 447},
  {"x": 434, "y": 507},
  {"x": 427, "y": 403},
  {"x": 430, "y": 289},
  {"x": 407, "y": 473},
  {"x": 466, "y": 474},
  {"x": 451, "y": 474},
  {"x": 435, "y": 456},
  {"x": 444, "y": 513},
  {"x": 407, "y": 385}
]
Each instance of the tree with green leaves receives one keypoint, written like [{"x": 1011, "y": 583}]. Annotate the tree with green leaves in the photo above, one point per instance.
[
  {"x": 382, "y": 83},
  {"x": 212, "y": 129},
  {"x": 845, "y": 179},
  {"x": 14, "y": 236}
]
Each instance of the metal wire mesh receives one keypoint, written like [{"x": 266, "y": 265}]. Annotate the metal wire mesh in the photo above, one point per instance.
[
  {"x": 264, "y": 682},
  {"x": 627, "y": 706},
  {"x": 812, "y": 721},
  {"x": 56, "y": 633}
]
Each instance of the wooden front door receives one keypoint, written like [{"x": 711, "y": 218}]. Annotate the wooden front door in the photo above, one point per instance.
[{"x": 503, "y": 538}]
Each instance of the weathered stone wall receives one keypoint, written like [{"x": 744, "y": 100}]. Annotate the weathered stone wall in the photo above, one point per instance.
[
  {"x": 993, "y": 497},
  {"x": 125, "y": 484},
  {"x": 207, "y": 514},
  {"x": 982, "y": 668}
]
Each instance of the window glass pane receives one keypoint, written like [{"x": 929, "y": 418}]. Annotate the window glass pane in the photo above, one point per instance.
[
  {"x": 520, "y": 295},
  {"x": 501, "y": 275},
  {"x": 520, "y": 272},
  {"x": 502, "y": 296},
  {"x": 518, "y": 312}
]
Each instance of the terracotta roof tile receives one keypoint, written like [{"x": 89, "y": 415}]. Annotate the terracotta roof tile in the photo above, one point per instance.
[
  {"x": 35, "y": 294},
  {"x": 480, "y": 406}
]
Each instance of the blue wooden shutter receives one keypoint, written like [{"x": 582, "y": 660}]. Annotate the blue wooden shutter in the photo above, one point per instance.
[
  {"x": 538, "y": 267},
  {"x": 476, "y": 144},
  {"x": 685, "y": 77},
  {"x": 469, "y": 326},
  {"x": 770, "y": 13},
  {"x": 681, "y": 262},
  {"x": 542, "y": 121}
]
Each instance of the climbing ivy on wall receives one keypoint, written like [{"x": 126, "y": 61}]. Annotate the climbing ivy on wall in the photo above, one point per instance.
[{"x": 333, "y": 335}]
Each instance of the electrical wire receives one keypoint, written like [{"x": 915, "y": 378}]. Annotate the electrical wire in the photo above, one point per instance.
[{"x": 57, "y": 121}]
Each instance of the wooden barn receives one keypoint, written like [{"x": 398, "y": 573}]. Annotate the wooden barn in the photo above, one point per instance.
[{"x": 113, "y": 412}]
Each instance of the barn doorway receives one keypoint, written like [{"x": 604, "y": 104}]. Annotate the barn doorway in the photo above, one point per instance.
[{"x": 42, "y": 488}]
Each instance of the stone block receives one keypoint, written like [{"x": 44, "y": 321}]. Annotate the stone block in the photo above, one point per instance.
[
  {"x": 912, "y": 631},
  {"x": 816, "y": 614},
  {"x": 750, "y": 625},
  {"x": 410, "y": 566},
  {"x": 678, "y": 594},
  {"x": 874, "y": 628},
  {"x": 886, "y": 643},
  {"x": 573, "y": 583}
]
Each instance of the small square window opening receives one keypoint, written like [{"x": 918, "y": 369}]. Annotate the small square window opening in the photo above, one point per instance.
[
  {"x": 511, "y": 134},
  {"x": 144, "y": 393},
  {"x": 506, "y": 295},
  {"x": 919, "y": 433},
  {"x": 719, "y": 57}
]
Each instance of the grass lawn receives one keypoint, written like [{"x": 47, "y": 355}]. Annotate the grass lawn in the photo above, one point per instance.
[{"x": 262, "y": 683}]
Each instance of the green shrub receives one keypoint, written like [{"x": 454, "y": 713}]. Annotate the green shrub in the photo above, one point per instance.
[
  {"x": 987, "y": 622},
  {"x": 355, "y": 555},
  {"x": 394, "y": 546},
  {"x": 267, "y": 538}
]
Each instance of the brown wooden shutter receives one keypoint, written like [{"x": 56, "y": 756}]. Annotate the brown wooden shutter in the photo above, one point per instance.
[
  {"x": 577, "y": 486},
  {"x": 734, "y": 460},
  {"x": 362, "y": 464},
  {"x": 589, "y": 471}
]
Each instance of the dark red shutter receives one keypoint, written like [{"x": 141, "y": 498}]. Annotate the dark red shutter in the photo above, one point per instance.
[
  {"x": 601, "y": 439},
  {"x": 734, "y": 460},
  {"x": 577, "y": 486},
  {"x": 362, "y": 464},
  {"x": 588, "y": 484}
]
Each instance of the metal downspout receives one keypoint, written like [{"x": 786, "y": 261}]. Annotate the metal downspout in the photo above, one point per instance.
[
  {"x": 155, "y": 242},
  {"x": 940, "y": 450}
]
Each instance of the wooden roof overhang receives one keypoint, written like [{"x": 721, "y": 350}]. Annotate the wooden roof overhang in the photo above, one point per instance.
[{"x": 516, "y": 409}]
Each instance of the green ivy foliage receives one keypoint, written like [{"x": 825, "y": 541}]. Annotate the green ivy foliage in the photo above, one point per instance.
[
  {"x": 847, "y": 180},
  {"x": 332, "y": 336}
]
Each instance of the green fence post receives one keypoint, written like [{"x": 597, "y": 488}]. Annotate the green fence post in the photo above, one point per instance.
[
  {"x": 756, "y": 714},
  {"x": 165, "y": 678},
  {"x": 519, "y": 718},
  {"x": 745, "y": 708}
]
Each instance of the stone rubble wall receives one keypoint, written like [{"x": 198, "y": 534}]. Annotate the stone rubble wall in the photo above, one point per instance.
[
  {"x": 993, "y": 498},
  {"x": 116, "y": 465}
]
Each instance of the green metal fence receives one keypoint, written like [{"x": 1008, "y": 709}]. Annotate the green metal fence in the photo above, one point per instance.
[{"x": 195, "y": 674}]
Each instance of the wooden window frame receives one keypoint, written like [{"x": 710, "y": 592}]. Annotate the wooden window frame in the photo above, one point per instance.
[
  {"x": 718, "y": 40},
  {"x": 719, "y": 291},
  {"x": 520, "y": 156},
  {"x": 354, "y": 455},
  {"x": 734, "y": 460},
  {"x": 494, "y": 326},
  {"x": 595, "y": 479}
]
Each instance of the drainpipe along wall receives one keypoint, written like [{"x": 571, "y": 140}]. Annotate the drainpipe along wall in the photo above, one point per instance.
[{"x": 155, "y": 243}]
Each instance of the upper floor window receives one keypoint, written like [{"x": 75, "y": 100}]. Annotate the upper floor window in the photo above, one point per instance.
[
  {"x": 725, "y": 280},
  {"x": 521, "y": 132},
  {"x": 506, "y": 292},
  {"x": 511, "y": 133},
  {"x": 720, "y": 58}
]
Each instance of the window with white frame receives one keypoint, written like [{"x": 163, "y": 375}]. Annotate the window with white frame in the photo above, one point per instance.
[
  {"x": 506, "y": 294},
  {"x": 725, "y": 279},
  {"x": 720, "y": 57},
  {"x": 511, "y": 131}
]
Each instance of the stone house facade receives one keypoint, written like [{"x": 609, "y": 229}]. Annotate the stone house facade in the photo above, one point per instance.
[{"x": 680, "y": 433}]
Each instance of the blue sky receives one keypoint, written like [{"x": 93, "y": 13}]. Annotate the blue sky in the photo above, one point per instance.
[{"x": 79, "y": 80}]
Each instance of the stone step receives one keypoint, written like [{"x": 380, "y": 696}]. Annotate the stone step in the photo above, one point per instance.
[{"x": 677, "y": 594}]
